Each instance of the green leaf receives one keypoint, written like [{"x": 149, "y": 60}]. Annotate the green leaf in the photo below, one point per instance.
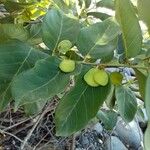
[
  {"x": 126, "y": 101},
  {"x": 98, "y": 40},
  {"x": 108, "y": 118},
  {"x": 141, "y": 77},
  {"x": 143, "y": 11},
  {"x": 106, "y": 3},
  {"x": 80, "y": 3},
  {"x": 87, "y": 3},
  {"x": 99, "y": 15},
  {"x": 15, "y": 57},
  {"x": 13, "y": 31},
  {"x": 12, "y": 6},
  {"x": 61, "y": 5},
  {"x": 71, "y": 54},
  {"x": 7, "y": 19},
  {"x": 120, "y": 48},
  {"x": 79, "y": 106},
  {"x": 35, "y": 33},
  {"x": 147, "y": 96},
  {"x": 140, "y": 114},
  {"x": 146, "y": 137},
  {"x": 110, "y": 100},
  {"x": 57, "y": 27},
  {"x": 130, "y": 27},
  {"x": 33, "y": 108},
  {"x": 40, "y": 83}
]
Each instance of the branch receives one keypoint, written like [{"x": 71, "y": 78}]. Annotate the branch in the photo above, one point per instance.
[{"x": 117, "y": 65}]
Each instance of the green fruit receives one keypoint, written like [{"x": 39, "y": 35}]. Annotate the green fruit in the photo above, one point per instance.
[
  {"x": 116, "y": 78},
  {"x": 101, "y": 77},
  {"x": 88, "y": 77},
  {"x": 67, "y": 65},
  {"x": 64, "y": 46}
]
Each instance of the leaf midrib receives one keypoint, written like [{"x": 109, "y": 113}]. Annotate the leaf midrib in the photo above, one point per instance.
[
  {"x": 59, "y": 35},
  {"x": 4, "y": 93}
]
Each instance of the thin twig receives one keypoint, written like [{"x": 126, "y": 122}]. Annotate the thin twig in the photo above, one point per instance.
[
  {"x": 73, "y": 142},
  {"x": 4, "y": 117},
  {"x": 17, "y": 124},
  {"x": 40, "y": 141},
  {"x": 34, "y": 127},
  {"x": 4, "y": 132},
  {"x": 19, "y": 130}
]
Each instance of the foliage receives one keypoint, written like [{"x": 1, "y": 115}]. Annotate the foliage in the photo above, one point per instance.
[
  {"x": 108, "y": 118},
  {"x": 37, "y": 36}
]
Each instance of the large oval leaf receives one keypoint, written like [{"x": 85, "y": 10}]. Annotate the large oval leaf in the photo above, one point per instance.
[
  {"x": 79, "y": 106},
  {"x": 62, "y": 5},
  {"x": 41, "y": 83},
  {"x": 13, "y": 6},
  {"x": 31, "y": 109},
  {"x": 57, "y": 27},
  {"x": 13, "y": 31},
  {"x": 143, "y": 11},
  {"x": 87, "y": 3},
  {"x": 146, "y": 137},
  {"x": 108, "y": 118},
  {"x": 15, "y": 57},
  {"x": 141, "y": 77},
  {"x": 98, "y": 40},
  {"x": 110, "y": 100},
  {"x": 147, "y": 97},
  {"x": 129, "y": 24},
  {"x": 99, "y": 15},
  {"x": 106, "y": 3},
  {"x": 126, "y": 102}
]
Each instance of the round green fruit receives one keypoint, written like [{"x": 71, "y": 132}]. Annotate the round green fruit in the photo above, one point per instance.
[
  {"x": 64, "y": 46},
  {"x": 116, "y": 78},
  {"x": 67, "y": 65},
  {"x": 101, "y": 77},
  {"x": 89, "y": 77}
]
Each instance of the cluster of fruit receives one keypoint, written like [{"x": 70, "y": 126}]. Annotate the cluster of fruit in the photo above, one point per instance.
[{"x": 94, "y": 77}]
